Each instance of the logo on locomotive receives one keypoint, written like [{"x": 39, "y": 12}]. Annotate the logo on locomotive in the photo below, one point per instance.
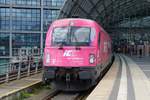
[{"x": 67, "y": 53}]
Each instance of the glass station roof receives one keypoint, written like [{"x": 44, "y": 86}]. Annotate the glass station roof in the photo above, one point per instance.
[{"x": 110, "y": 13}]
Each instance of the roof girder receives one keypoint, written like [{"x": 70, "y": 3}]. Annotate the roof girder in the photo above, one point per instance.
[{"x": 112, "y": 11}]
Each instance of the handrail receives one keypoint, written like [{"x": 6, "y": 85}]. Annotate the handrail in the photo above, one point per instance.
[{"x": 16, "y": 70}]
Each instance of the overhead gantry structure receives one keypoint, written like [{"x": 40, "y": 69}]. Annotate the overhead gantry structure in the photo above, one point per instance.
[{"x": 108, "y": 13}]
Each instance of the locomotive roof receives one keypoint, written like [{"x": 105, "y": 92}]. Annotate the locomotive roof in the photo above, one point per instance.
[
  {"x": 66, "y": 21},
  {"x": 75, "y": 19}
]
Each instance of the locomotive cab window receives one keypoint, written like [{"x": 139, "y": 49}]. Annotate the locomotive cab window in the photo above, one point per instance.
[
  {"x": 59, "y": 35},
  {"x": 72, "y": 36},
  {"x": 80, "y": 36}
]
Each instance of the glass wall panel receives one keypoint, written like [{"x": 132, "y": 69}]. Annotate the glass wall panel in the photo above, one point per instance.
[
  {"x": 3, "y": 67},
  {"x": 26, "y": 19},
  {"x": 27, "y": 2},
  {"x": 54, "y": 3},
  {"x": 49, "y": 16},
  {"x": 4, "y": 1},
  {"x": 26, "y": 40},
  {"x": 4, "y": 60},
  {"x": 4, "y": 44},
  {"x": 4, "y": 19}
]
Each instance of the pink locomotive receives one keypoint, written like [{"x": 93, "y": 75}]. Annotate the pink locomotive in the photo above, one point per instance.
[{"x": 77, "y": 51}]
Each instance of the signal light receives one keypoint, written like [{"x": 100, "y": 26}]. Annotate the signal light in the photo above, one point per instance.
[{"x": 92, "y": 58}]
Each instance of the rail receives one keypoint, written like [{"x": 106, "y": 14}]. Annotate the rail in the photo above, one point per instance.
[
  {"x": 61, "y": 95},
  {"x": 20, "y": 68}
]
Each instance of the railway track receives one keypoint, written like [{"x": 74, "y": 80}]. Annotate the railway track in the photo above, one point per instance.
[
  {"x": 52, "y": 94},
  {"x": 59, "y": 95}
]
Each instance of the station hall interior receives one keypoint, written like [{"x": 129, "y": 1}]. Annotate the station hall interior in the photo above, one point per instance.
[
  {"x": 23, "y": 23},
  {"x": 127, "y": 21}
]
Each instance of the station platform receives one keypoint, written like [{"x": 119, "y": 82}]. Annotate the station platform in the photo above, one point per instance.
[
  {"x": 143, "y": 63},
  {"x": 125, "y": 80},
  {"x": 12, "y": 87}
]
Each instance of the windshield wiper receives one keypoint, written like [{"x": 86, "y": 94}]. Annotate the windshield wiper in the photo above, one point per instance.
[{"x": 61, "y": 44}]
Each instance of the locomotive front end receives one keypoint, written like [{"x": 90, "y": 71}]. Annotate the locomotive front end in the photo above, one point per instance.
[{"x": 70, "y": 54}]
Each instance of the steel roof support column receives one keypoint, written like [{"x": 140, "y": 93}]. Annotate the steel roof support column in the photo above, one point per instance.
[
  {"x": 10, "y": 23},
  {"x": 41, "y": 36}
]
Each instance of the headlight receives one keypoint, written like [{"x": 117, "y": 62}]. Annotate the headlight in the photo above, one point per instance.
[
  {"x": 92, "y": 58},
  {"x": 47, "y": 58}
]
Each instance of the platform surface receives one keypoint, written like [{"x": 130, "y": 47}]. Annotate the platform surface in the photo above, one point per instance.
[
  {"x": 17, "y": 85},
  {"x": 143, "y": 63},
  {"x": 125, "y": 80}
]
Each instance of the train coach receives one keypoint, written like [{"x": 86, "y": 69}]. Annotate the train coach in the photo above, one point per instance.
[{"x": 76, "y": 53}]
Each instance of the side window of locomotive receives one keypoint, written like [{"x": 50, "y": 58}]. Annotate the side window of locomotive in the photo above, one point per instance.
[
  {"x": 109, "y": 46},
  {"x": 105, "y": 47},
  {"x": 99, "y": 39},
  {"x": 93, "y": 33}
]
